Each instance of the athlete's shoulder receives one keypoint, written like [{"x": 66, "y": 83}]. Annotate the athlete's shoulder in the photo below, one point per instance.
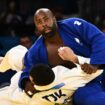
[{"x": 71, "y": 20}]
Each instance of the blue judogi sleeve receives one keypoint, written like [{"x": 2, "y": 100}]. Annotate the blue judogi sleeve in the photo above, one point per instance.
[{"x": 90, "y": 36}]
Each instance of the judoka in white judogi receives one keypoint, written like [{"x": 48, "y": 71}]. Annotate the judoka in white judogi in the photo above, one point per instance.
[{"x": 59, "y": 92}]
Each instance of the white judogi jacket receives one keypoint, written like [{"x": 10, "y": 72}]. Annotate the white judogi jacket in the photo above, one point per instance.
[
  {"x": 60, "y": 91},
  {"x": 65, "y": 84}
]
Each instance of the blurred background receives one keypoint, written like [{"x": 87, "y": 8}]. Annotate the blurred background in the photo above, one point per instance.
[{"x": 17, "y": 27}]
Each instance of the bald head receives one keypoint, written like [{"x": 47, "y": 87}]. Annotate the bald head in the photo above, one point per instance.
[{"x": 44, "y": 11}]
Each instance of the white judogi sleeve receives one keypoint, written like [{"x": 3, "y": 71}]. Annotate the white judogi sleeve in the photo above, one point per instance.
[{"x": 83, "y": 60}]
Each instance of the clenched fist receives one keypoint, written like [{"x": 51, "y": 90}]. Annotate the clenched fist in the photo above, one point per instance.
[
  {"x": 66, "y": 53},
  {"x": 88, "y": 68}
]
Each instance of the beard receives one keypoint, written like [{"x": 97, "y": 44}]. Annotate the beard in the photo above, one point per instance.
[{"x": 51, "y": 32}]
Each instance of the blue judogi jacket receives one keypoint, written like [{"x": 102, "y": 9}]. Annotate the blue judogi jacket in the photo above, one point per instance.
[{"x": 82, "y": 37}]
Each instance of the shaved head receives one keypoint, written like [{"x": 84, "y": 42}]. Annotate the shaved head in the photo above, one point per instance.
[{"x": 43, "y": 10}]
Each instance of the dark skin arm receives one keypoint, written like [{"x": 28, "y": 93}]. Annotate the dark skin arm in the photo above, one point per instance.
[{"x": 89, "y": 69}]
